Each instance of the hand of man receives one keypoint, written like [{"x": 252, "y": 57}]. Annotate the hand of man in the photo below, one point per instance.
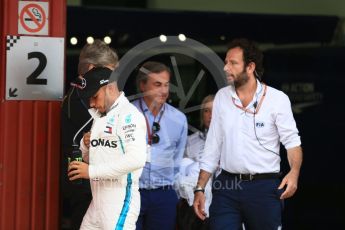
[
  {"x": 86, "y": 139},
  {"x": 199, "y": 205},
  {"x": 78, "y": 169},
  {"x": 290, "y": 181}
]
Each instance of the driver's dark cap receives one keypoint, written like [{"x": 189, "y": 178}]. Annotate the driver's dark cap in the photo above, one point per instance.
[{"x": 92, "y": 81}]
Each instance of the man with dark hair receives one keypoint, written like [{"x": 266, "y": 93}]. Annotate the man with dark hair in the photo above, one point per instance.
[
  {"x": 74, "y": 114},
  {"x": 114, "y": 154},
  {"x": 249, "y": 121},
  {"x": 251, "y": 53},
  {"x": 166, "y": 140}
]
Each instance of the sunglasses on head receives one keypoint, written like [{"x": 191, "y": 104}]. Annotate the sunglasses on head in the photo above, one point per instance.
[{"x": 155, "y": 128}]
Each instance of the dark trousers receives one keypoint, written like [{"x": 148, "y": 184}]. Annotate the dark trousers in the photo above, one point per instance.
[
  {"x": 187, "y": 219},
  {"x": 80, "y": 200},
  {"x": 255, "y": 203},
  {"x": 158, "y": 209}
]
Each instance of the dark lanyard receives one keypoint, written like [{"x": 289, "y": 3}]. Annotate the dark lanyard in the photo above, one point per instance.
[{"x": 150, "y": 131}]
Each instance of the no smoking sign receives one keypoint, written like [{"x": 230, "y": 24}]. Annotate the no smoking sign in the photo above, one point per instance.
[{"x": 33, "y": 18}]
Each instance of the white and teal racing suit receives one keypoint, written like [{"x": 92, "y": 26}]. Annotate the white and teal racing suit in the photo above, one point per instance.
[{"x": 116, "y": 156}]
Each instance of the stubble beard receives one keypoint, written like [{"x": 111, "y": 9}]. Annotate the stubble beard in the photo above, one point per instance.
[{"x": 241, "y": 79}]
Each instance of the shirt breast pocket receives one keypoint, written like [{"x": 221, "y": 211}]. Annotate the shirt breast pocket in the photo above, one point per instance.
[
  {"x": 264, "y": 128},
  {"x": 167, "y": 141}
]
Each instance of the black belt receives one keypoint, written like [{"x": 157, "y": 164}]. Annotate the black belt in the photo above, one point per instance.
[{"x": 249, "y": 177}]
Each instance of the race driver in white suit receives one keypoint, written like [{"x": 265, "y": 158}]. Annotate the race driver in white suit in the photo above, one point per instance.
[{"x": 114, "y": 153}]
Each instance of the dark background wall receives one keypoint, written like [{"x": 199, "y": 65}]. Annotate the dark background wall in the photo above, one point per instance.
[{"x": 313, "y": 79}]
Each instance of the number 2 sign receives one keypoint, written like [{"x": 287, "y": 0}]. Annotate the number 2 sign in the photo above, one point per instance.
[{"x": 34, "y": 68}]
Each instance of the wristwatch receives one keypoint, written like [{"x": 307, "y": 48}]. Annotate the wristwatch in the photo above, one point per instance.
[{"x": 199, "y": 189}]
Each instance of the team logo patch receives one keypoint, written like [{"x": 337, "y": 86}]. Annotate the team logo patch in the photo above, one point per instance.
[
  {"x": 108, "y": 129},
  {"x": 80, "y": 83},
  {"x": 101, "y": 82},
  {"x": 83, "y": 82},
  {"x": 111, "y": 121},
  {"x": 128, "y": 118}
]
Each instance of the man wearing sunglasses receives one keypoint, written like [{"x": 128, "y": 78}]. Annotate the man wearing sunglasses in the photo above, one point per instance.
[{"x": 166, "y": 140}]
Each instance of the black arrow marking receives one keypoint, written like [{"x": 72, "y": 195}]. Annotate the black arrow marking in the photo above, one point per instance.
[{"x": 12, "y": 92}]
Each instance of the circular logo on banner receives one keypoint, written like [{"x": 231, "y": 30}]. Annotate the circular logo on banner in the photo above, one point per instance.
[
  {"x": 32, "y": 18},
  {"x": 209, "y": 60}
]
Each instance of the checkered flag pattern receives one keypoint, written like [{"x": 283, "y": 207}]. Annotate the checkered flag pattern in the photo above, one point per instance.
[{"x": 10, "y": 40}]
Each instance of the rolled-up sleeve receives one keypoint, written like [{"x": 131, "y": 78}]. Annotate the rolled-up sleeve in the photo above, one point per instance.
[{"x": 286, "y": 125}]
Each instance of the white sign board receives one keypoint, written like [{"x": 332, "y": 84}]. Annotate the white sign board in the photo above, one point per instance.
[
  {"x": 33, "y": 17},
  {"x": 34, "y": 68}
]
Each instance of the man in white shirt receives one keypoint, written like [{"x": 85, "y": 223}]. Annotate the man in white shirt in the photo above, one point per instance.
[{"x": 249, "y": 121}]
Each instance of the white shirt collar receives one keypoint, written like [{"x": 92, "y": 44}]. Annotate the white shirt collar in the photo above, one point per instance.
[
  {"x": 259, "y": 90},
  {"x": 117, "y": 102}
]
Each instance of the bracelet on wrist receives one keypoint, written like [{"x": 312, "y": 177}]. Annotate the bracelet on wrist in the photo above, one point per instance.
[{"x": 199, "y": 189}]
